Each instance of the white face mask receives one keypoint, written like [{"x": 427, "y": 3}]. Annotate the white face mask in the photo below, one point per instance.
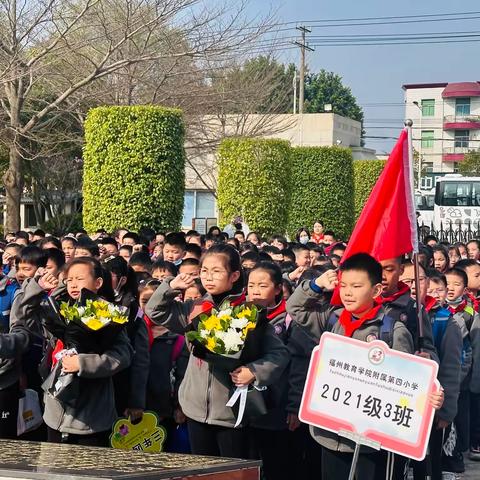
[{"x": 304, "y": 240}]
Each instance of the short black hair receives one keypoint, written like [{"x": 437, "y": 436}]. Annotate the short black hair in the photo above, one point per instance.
[
  {"x": 271, "y": 250},
  {"x": 176, "y": 239},
  {"x": 163, "y": 265},
  {"x": 50, "y": 239},
  {"x": 108, "y": 241},
  {"x": 194, "y": 249},
  {"x": 190, "y": 261},
  {"x": 86, "y": 244},
  {"x": 234, "y": 242},
  {"x": 56, "y": 256},
  {"x": 22, "y": 234},
  {"x": 459, "y": 273},
  {"x": 248, "y": 247},
  {"x": 141, "y": 258},
  {"x": 131, "y": 235},
  {"x": 427, "y": 238},
  {"x": 251, "y": 257},
  {"x": 363, "y": 262},
  {"x": 329, "y": 232},
  {"x": 288, "y": 255},
  {"x": 298, "y": 247},
  {"x": 436, "y": 276},
  {"x": 127, "y": 247},
  {"x": 33, "y": 256},
  {"x": 39, "y": 232},
  {"x": 464, "y": 264}
]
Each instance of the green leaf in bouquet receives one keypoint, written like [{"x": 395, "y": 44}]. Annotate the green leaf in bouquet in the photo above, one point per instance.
[{"x": 193, "y": 335}]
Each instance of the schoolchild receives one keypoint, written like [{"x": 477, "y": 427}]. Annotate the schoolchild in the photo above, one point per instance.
[
  {"x": 269, "y": 432},
  {"x": 363, "y": 317},
  {"x": 205, "y": 389},
  {"x": 89, "y": 419}
]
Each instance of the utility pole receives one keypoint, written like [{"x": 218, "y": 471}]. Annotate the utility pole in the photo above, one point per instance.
[
  {"x": 303, "y": 46},
  {"x": 295, "y": 91}
]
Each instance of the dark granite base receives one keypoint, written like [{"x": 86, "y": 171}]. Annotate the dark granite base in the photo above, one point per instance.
[{"x": 50, "y": 461}]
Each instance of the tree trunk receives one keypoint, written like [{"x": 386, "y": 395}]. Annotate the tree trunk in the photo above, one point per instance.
[{"x": 13, "y": 181}]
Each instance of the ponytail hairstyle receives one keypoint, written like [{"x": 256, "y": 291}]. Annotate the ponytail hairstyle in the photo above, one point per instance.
[
  {"x": 120, "y": 267},
  {"x": 106, "y": 290},
  {"x": 231, "y": 262}
]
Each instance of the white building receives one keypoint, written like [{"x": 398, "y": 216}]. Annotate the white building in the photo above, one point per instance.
[
  {"x": 310, "y": 129},
  {"x": 446, "y": 124}
]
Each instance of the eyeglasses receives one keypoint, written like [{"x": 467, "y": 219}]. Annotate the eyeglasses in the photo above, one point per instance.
[{"x": 217, "y": 275}]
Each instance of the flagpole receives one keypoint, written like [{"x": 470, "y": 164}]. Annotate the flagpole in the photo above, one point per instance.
[{"x": 408, "y": 125}]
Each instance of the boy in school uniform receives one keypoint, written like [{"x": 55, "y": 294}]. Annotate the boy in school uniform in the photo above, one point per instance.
[
  {"x": 174, "y": 248},
  {"x": 363, "y": 317},
  {"x": 464, "y": 314},
  {"x": 448, "y": 342}
]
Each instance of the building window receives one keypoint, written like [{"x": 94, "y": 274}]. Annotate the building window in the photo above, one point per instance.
[
  {"x": 428, "y": 167},
  {"x": 427, "y": 138},
  {"x": 198, "y": 204},
  {"x": 428, "y": 108},
  {"x": 462, "y": 138},
  {"x": 462, "y": 107}
]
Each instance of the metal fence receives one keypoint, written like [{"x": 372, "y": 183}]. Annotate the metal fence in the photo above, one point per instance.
[{"x": 451, "y": 233}]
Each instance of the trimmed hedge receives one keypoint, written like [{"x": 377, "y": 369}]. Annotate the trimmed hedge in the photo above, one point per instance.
[
  {"x": 134, "y": 168},
  {"x": 322, "y": 188},
  {"x": 253, "y": 181},
  {"x": 366, "y": 173}
]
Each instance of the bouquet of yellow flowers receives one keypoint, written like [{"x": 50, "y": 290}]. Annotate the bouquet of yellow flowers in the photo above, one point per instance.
[
  {"x": 228, "y": 337},
  {"x": 89, "y": 325},
  {"x": 224, "y": 331}
]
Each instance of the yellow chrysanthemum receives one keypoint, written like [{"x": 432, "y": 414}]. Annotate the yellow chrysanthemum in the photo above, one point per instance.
[
  {"x": 93, "y": 324},
  {"x": 212, "y": 323},
  {"x": 211, "y": 343},
  {"x": 98, "y": 304},
  {"x": 121, "y": 320},
  {"x": 244, "y": 313},
  {"x": 103, "y": 313},
  {"x": 250, "y": 326}
]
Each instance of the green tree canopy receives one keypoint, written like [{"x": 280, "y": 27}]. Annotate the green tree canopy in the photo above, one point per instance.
[
  {"x": 327, "y": 88},
  {"x": 471, "y": 164}
]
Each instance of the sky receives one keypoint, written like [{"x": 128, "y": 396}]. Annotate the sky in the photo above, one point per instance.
[{"x": 376, "y": 73}]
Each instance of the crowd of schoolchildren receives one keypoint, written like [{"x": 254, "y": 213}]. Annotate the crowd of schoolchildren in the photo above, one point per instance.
[{"x": 167, "y": 280}]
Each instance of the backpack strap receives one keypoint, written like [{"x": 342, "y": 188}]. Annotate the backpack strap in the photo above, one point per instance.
[
  {"x": 386, "y": 330},
  {"x": 439, "y": 327}
]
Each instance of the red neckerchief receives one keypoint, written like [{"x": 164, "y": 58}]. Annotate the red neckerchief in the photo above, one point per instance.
[
  {"x": 403, "y": 288},
  {"x": 317, "y": 238},
  {"x": 459, "y": 308},
  {"x": 58, "y": 348},
  {"x": 474, "y": 301},
  {"x": 149, "y": 325},
  {"x": 350, "y": 325},
  {"x": 278, "y": 310},
  {"x": 429, "y": 303}
]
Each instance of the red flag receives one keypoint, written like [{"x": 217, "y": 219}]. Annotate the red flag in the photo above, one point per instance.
[{"x": 387, "y": 226}]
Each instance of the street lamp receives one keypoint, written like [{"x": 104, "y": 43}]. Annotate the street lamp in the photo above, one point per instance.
[{"x": 419, "y": 181}]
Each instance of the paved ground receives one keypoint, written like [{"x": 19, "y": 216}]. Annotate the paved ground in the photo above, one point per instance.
[{"x": 472, "y": 471}]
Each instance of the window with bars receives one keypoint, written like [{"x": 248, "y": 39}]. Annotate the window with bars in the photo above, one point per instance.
[
  {"x": 427, "y": 139},
  {"x": 428, "y": 108}
]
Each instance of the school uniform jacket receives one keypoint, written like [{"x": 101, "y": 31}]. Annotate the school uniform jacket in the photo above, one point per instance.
[
  {"x": 311, "y": 314},
  {"x": 206, "y": 389}
]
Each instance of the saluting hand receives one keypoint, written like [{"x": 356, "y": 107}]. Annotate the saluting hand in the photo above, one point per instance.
[
  {"x": 182, "y": 282},
  {"x": 48, "y": 281},
  {"x": 328, "y": 280}
]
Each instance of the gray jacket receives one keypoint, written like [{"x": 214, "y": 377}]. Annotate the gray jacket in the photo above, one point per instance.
[
  {"x": 311, "y": 312},
  {"x": 95, "y": 408},
  {"x": 206, "y": 389}
]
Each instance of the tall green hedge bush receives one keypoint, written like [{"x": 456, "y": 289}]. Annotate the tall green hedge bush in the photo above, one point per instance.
[
  {"x": 366, "y": 173},
  {"x": 134, "y": 168},
  {"x": 321, "y": 188},
  {"x": 253, "y": 182}
]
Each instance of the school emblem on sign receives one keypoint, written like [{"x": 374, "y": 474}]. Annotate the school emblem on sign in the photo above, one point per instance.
[
  {"x": 376, "y": 356},
  {"x": 371, "y": 338}
]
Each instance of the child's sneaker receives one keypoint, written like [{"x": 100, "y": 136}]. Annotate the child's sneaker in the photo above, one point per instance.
[{"x": 475, "y": 453}]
